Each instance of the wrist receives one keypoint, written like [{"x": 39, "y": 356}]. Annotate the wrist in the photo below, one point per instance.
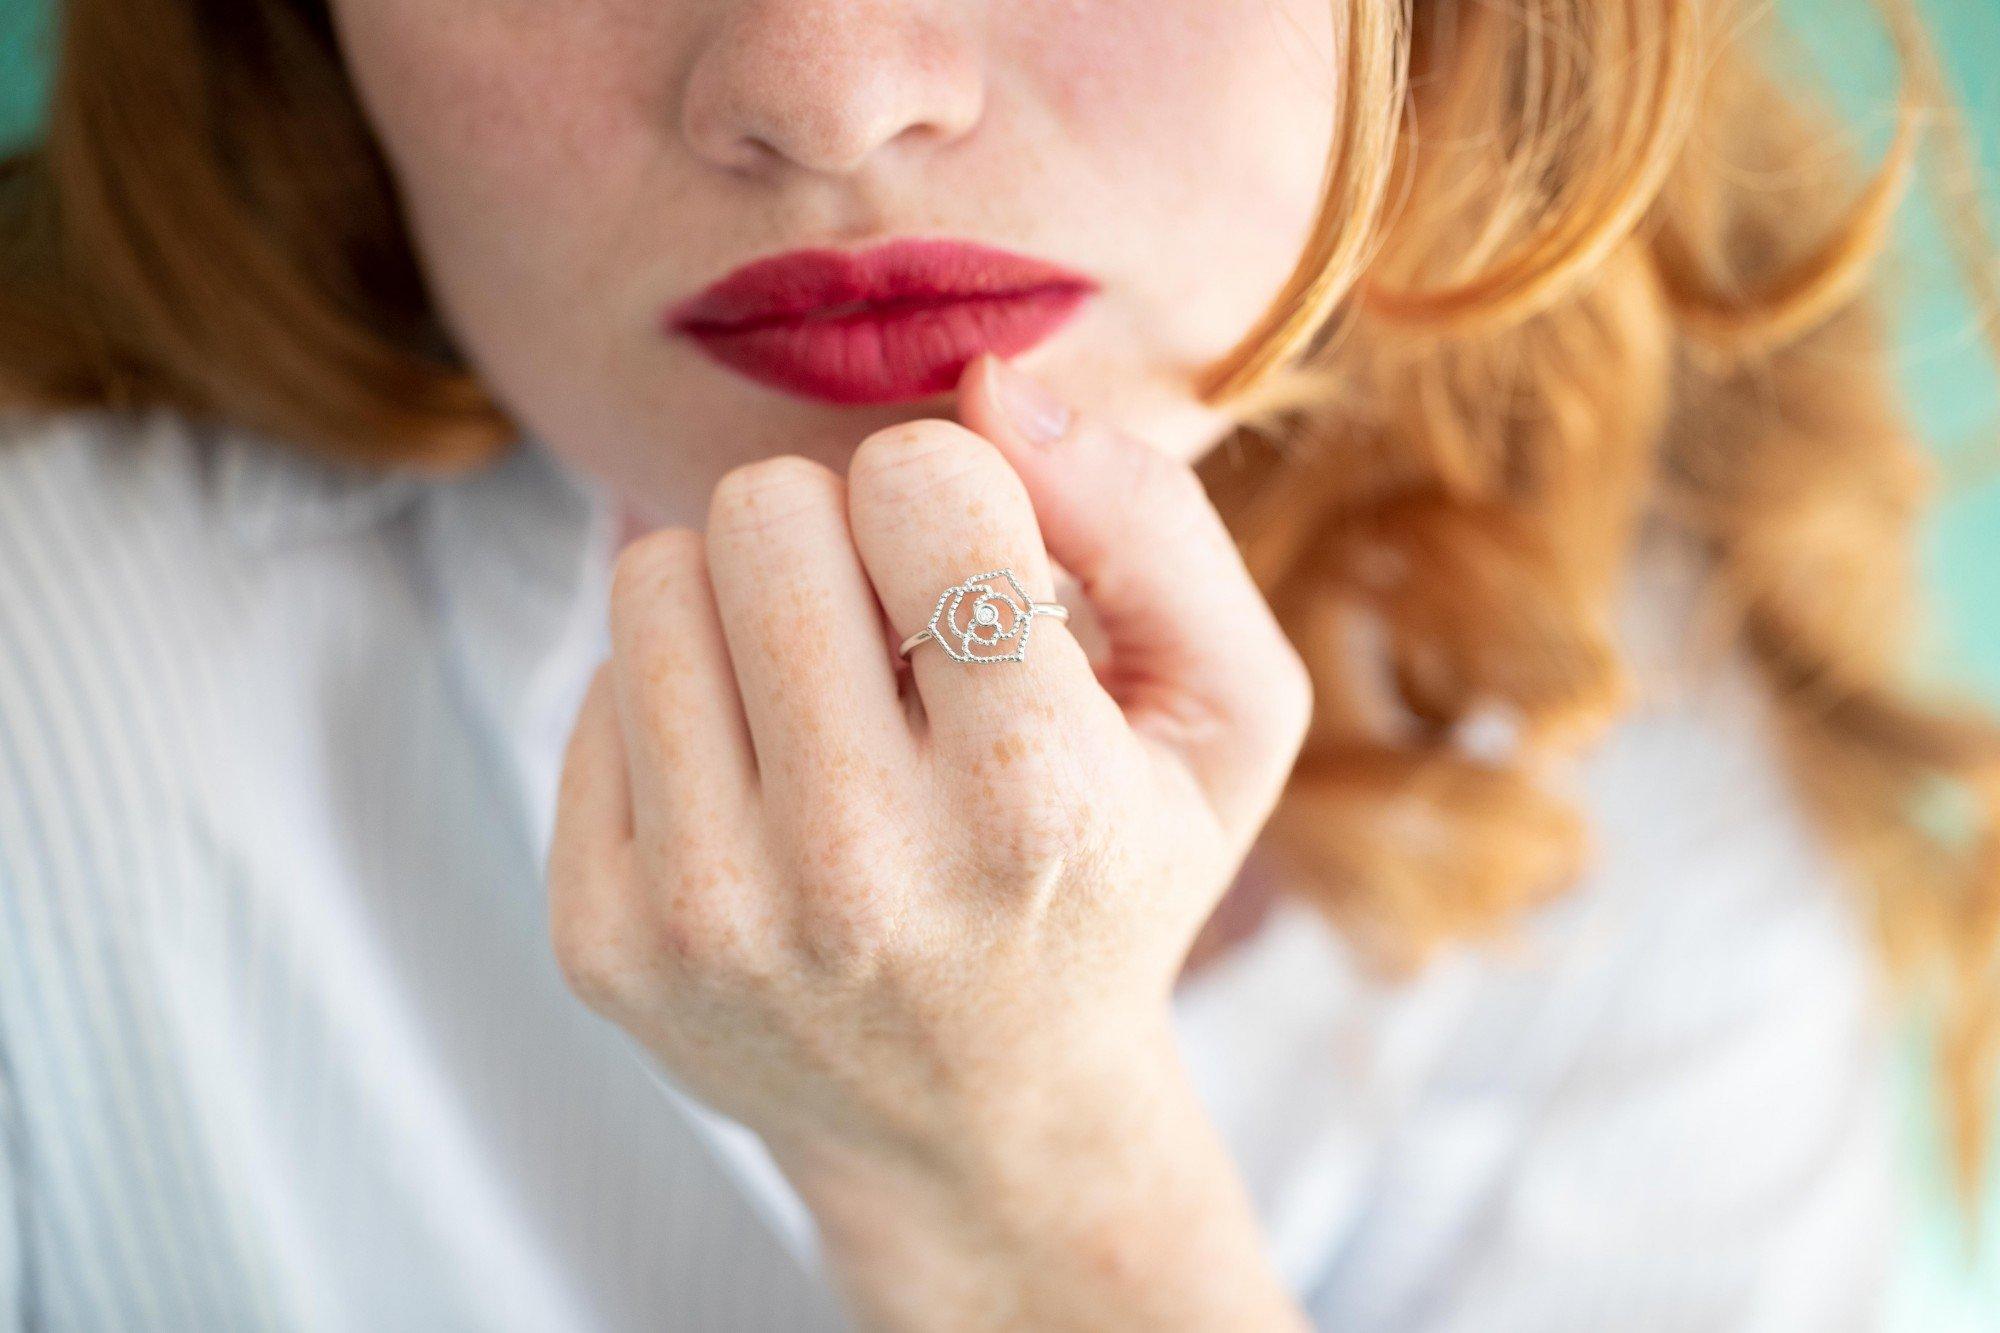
[
  {"x": 1002, "y": 1149},
  {"x": 1124, "y": 1210}
]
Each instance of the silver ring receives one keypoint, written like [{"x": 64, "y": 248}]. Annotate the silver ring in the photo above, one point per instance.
[{"x": 994, "y": 619}]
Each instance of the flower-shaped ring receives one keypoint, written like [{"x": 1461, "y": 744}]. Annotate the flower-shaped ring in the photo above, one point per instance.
[{"x": 984, "y": 619}]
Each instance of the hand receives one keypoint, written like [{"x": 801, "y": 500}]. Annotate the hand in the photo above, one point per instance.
[{"x": 930, "y": 937}]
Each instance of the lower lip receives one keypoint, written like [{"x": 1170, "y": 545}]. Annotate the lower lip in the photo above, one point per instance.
[{"x": 892, "y": 352}]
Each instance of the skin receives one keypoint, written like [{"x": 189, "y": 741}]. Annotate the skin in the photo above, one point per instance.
[{"x": 915, "y": 923}]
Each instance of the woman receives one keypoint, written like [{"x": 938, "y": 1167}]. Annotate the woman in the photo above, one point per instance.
[{"x": 504, "y": 507}]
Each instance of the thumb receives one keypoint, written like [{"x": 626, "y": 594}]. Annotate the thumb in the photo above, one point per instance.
[{"x": 1198, "y": 661}]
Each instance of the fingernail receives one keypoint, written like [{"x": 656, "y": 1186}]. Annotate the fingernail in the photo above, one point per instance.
[{"x": 1037, "y": 415}]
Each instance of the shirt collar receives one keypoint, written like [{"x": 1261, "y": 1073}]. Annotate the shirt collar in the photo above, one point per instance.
[
  {"x": 517, "y": 557},
  {"x": 271, "y": 495},
  {"x": 514, "y": 555}
]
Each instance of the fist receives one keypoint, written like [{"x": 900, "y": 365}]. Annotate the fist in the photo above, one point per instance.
[{"x": 919, "y": 911}]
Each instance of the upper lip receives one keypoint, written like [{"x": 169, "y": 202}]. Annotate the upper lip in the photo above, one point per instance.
[{"x": 799, "y": 283}]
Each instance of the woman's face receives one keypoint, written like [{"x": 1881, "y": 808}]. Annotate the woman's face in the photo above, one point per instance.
[{"x": 572, "y": 169}]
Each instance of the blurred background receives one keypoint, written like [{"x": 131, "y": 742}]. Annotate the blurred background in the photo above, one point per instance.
[{"x": 1946, "y": 1282}]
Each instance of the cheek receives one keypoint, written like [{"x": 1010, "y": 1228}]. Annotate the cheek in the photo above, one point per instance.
[
  {"x": 494, "y": 115},
  {"x": 1206, "y": 90},
  {"x": 1208, "y": 123}
]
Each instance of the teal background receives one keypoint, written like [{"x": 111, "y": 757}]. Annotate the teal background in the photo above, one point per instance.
[
  {"x": 1944, "y": 1284},
  {"x": 1947, "y": 1281}
]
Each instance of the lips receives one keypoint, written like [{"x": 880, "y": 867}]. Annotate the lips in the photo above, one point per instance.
[{"x": 887, "y": 324}]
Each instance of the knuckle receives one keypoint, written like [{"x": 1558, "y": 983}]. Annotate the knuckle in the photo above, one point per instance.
[
  {"x": 1177, "y": 490},
  {"x": 1293, "y": 695},
  {"x": 702, "y": 885},
  {"x": 712, "y": 939},
  {"x": 1136, "y": 464},
  {"x": 596, "y": 963},
  {"x": 650, "y": 565},
  {"x": 850, "y": 909},
  {"x": 1169, "y": 478},
  {"x": 850, "y": 943},
  {"x": 1170, "y": 492},
  {"x": 768, "y": 493},
  {"x": 692, "y": 938},
  {"x": 903, "y": 462},
  {"x": 1027, "y": 838}
]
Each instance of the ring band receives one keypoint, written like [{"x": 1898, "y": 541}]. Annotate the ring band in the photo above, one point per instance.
[{"x": 993, "y": 620}]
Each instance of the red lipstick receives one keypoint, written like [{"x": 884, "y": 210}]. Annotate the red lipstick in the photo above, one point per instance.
[{"x": 895, "y": 322}]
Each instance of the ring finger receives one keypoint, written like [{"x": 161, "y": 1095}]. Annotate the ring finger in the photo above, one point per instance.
[{"x": 934, "y": 507}]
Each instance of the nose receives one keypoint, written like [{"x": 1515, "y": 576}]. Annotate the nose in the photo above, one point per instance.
[{"x": 826, "y": 86}]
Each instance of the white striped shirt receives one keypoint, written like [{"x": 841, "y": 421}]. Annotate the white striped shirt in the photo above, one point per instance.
[{"x": 283, "y": 1045}]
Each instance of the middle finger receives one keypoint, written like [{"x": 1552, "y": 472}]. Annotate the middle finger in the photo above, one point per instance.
[{"x": 805, "y": 635}]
